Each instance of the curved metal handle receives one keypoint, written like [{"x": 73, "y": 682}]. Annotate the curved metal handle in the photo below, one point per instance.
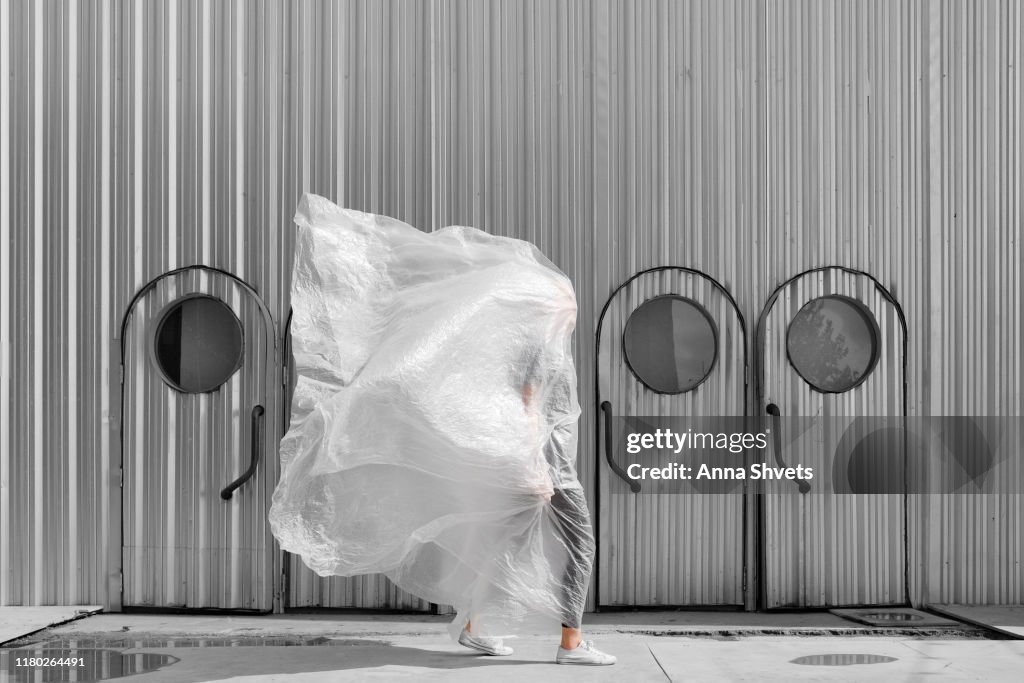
[
  {"x": 257, "y": 446},
  {"x": 776, "y": 414},
  {"x": 606, "y": 408}
]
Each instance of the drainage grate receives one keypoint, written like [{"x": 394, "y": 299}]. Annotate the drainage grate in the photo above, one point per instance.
[
  {"x": 904, "y": 617},
  {"x": 893, "y": 616}
]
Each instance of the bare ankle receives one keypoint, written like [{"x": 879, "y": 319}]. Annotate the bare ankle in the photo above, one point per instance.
[{"x": 571, "y": 638}]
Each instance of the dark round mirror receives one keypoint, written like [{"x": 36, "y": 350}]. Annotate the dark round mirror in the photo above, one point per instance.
[
  {"x": 198, "y": 344},
  {"x": 670, "y": 344},
  {"x": 832, "y": 342}
]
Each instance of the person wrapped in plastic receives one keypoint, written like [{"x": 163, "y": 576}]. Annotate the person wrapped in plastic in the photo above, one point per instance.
[{"x": 433, "y": 424}]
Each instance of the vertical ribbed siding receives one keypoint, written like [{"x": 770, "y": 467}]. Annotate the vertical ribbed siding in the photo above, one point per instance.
[
  {"x": 678, "y": 159},
  {"x": 358, "y": 131},
  {"x": 176, "y": 133},
  {"x": 894, "y": 147},
  {"x": 596, "y": 131},
  {"x": 971, "y": 548},
  {"x": 749, "y": 141},
  {"x": 5, "y": 300},
  {"x": 670, "y": 549},
  {"x": 513, "y": 137},
  {"x": 55, "y": 479}
]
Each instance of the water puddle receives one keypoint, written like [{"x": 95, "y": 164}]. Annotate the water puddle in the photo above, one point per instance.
[
  {"x": 45, "y": 663},
  {"x": 842, "y": 660}
]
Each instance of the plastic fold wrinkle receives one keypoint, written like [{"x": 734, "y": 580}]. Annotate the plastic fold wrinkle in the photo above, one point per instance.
[{"x": 434, "y": 419}]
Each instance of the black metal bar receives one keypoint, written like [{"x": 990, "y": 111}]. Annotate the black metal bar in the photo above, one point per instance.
[
  {"x": 776, "y": 414},
  {"x": 606, "y": 408},
  {"x": 257, "y": 446}
]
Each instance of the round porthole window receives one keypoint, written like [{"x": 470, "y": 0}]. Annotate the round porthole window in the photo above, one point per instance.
[
  {"x": 198, "y": 344},
  {"x": 670, "y": 344},
  {"x": 832, "y": 342}
]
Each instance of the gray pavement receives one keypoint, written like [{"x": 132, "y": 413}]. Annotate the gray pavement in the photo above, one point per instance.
[
  {"x": 19, "y": 621},
  {"x": 359, "y": 647}
]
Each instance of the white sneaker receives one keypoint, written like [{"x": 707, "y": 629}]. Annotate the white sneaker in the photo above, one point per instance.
[
  {"x": 584, "y": 653},
  {"x": 485, "y": 644}
]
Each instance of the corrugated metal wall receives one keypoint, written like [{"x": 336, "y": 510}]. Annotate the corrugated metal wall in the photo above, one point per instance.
[
  {"x": 356, "y": 127},
  {"x": 747, "y": 140},
  {"x": 971, "y": 548},
  {"x": 894, "y": 147}
]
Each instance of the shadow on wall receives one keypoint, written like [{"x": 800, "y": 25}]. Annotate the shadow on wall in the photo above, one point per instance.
[{"x": 922, "y": 455}]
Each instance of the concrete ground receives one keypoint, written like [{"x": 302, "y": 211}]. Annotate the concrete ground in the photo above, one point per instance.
[
  {"x": 651, "y": 646},
  {"x": 1005, "y": 619},
  {"x": 19, "y": 621}
]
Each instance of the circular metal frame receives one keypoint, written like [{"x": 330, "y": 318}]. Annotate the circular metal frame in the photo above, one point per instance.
[
  {"x": 161, "y": 318},
  {"x": 714, "y": 335},
  {"x": 869, "y": 319}
]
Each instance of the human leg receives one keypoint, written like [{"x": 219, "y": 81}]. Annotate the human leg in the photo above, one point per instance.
[{"x": 570, "y": 512}]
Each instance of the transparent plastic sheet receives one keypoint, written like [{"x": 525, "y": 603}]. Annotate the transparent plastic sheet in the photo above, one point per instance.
[{"x": 434, "y": 420}]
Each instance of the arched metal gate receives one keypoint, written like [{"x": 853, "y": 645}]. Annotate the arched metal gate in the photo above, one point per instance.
[
  {"x": 199, "y": 444},
  {"x": 830, "y": 350},
  {"x": 665, "y": 548},
  {"x": 832, "y": 344}
]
